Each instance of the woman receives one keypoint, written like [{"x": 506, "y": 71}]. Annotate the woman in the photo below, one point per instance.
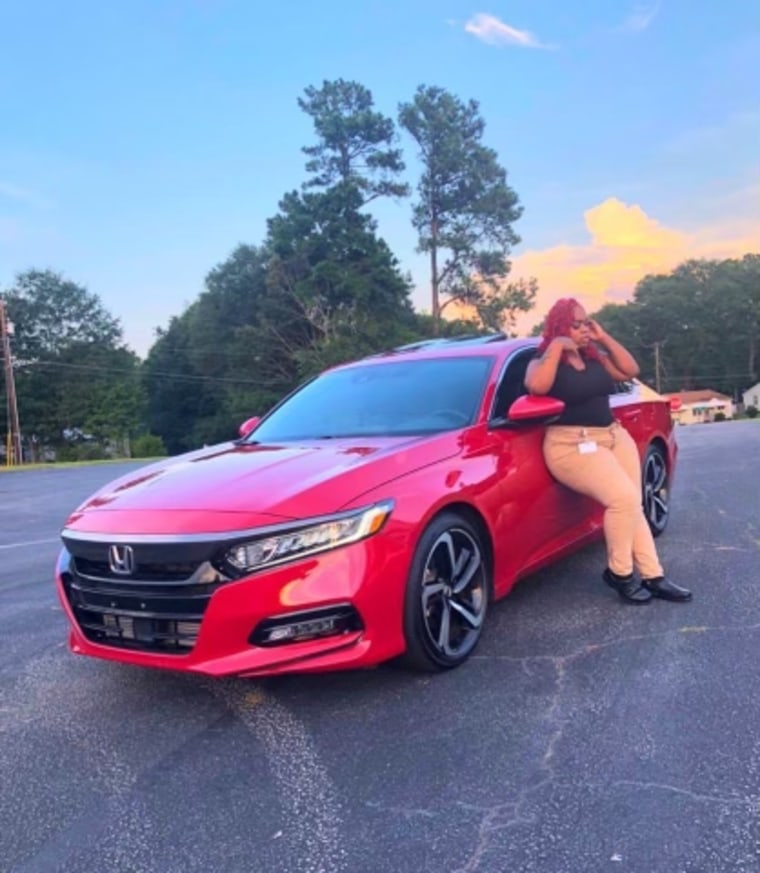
[{"x": 587, "y": 450}]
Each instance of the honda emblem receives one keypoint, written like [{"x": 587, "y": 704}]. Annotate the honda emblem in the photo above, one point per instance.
[{"x": 121, "y": 560}]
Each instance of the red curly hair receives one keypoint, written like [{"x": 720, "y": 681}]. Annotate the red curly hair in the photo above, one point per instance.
[{"x": 558, "y": 322}]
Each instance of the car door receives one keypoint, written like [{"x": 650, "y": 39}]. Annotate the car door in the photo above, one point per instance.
[
  {"x": 627, "y": 408},
  {"x": 538, "y": 516}
]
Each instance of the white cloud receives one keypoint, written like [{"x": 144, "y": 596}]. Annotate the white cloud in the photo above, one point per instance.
[
  {"x": 623, "y": 245},
  {"x": 640, "y": 19},
  {"x": 491, "y": 30}
]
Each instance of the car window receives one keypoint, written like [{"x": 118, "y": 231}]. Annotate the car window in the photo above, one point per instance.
[
  {"x": 626, "y": 387},
  {"x": 512, "y": 384},
  {"x": 383, "y": 399}
]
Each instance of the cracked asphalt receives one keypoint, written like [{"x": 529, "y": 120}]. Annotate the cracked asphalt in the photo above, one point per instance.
[{"x": 583, "y": 736}]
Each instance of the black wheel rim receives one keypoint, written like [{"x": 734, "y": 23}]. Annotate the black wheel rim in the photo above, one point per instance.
[
  {"x": 656, "y": 491},
  {"x": 453, "y": 594}
]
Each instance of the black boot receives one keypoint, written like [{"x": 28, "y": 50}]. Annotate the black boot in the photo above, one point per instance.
[
  {"x": 629, "y": 588},
  {"x": 666, "y": 590}
]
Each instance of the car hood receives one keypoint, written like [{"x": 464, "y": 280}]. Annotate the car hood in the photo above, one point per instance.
[{"x": 234, "y": 486}]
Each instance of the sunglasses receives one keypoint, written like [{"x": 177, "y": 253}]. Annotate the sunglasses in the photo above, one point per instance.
[{"x": 577, "y": 325}]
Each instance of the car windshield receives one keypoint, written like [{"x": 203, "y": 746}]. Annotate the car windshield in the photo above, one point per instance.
[{"x": 383, "y": 399}]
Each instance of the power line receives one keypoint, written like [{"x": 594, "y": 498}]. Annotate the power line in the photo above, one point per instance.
[{"x": 190, "y": 377}]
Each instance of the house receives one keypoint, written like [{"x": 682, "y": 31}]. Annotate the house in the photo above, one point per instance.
[
  {"x": 697, "y": 407},
  {"x": 751, "y": 396}
]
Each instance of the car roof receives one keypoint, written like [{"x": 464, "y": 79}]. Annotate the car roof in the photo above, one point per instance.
[{"x": 495, "y": 345}]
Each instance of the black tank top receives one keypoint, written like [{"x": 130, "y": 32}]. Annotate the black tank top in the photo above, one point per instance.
[{"x": 586, "y": 394}]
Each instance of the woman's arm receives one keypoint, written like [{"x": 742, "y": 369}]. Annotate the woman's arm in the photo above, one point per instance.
[
  {"x": 541, "y": 372},
  {"x": 618, "y": 361}
]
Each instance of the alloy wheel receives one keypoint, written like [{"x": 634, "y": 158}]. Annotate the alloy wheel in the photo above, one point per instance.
[
  {"x": 454, "y": 594},
  {"x": 656, "y": 491}
]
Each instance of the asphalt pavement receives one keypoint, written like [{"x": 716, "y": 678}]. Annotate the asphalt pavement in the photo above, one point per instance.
[{"x": 585, "y": 735}]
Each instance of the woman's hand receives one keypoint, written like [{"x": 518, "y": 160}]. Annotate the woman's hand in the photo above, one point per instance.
[
  {"x": 596, "y": 332},
  {"x": 565, "y": 343},
  {"x": 617, "y": 361}
]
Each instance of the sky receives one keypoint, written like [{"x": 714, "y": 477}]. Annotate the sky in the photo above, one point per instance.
[{"x": 142, "y": 140}]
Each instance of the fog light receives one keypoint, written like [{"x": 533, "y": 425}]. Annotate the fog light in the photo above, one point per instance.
[
  {"x": 300, "y": 630},
  {"x": 298, "y": 627}
]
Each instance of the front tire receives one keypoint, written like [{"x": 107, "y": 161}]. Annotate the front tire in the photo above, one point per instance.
[
  {"x": 656, "y": 493},
  {"x": 447, "y": 594}
]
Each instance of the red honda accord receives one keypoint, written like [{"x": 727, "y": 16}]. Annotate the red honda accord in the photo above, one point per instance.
[{"x": 375, "y": 512}]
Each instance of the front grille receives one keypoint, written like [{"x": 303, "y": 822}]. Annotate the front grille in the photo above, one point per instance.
[
  {"x": 153, "y": 571},
  {"x": 159, "y": 609}
]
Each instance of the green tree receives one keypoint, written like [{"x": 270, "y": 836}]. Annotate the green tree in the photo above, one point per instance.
[
  {"x": 51, "y": 312},
  {"x": 253, "y": 367},
  {"x": 322, "y": 287},
  {"x": 114, "y": 411},
  {"x": 86, "y": 391},
  {"x": 738, "y": 308},
  {"x": 339, "y": 285},
  {"x": 695, "y": 327},
  {"x": 466, "y": 210},
  {"x": 74, "y": 376},
  {"x": 356, "y": 143},
  {"x": 498, "y": 306},
  {"x": 179, "y": 393},
  {"x": 320, "y": 290}
]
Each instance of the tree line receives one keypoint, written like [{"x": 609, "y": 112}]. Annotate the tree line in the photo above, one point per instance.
[
  {"x": 323, "y": 287},
  {"x": 695, "y": 327}
]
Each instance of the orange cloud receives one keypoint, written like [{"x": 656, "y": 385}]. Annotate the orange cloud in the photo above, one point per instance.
[{"x": 625, "y": 245}]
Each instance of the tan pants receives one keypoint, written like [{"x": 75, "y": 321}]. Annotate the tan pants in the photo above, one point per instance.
[{"x": 611, "y": 475}]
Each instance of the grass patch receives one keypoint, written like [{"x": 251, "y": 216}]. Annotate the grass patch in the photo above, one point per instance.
[{"x": 63, "y": 465}]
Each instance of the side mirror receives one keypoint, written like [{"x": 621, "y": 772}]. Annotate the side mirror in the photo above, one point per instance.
[
  {"x": 535, "y": 408},
  {"x": 247, "y": 426}
]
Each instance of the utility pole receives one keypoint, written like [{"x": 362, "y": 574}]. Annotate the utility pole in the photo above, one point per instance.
[
  {"x": 13, "y": 440},
  {"x": 657, "y": 380}
]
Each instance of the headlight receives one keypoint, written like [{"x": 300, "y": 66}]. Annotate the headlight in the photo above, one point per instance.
[{"x": 300, "y": 542}]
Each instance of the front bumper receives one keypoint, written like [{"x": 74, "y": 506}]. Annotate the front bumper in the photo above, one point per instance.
[{"x": 213, "y": 637}]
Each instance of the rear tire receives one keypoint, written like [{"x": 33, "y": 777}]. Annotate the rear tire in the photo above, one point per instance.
[
  {"x": 655, "y": 490},
  {"x": 447, "y": 594}
]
